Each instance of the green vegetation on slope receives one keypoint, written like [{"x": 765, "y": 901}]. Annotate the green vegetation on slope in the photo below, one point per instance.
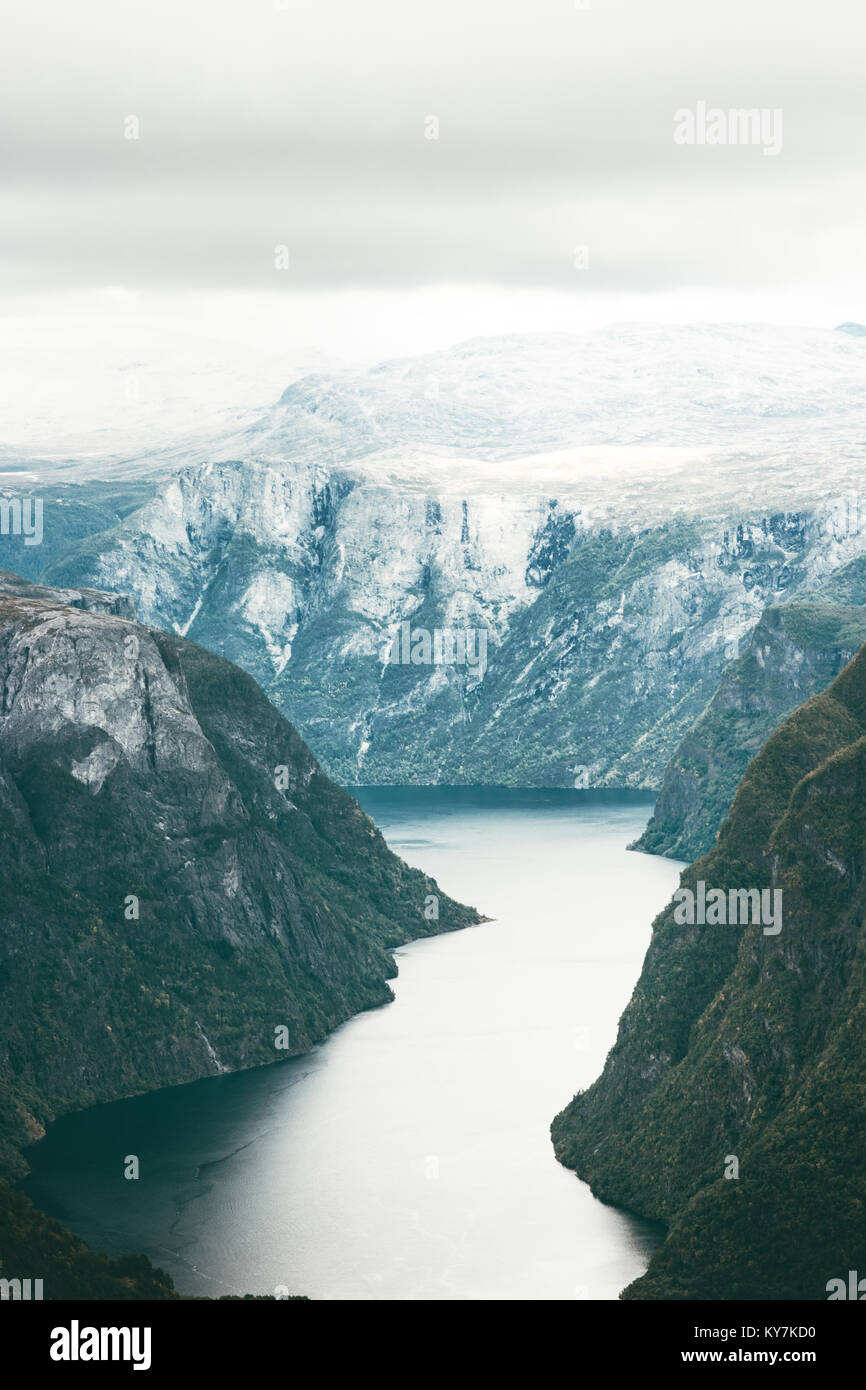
[
  {"x": 181, "y": 883},
  {"x": 32, "y": 1246},
  {"x": 737, "y": 1043},
  {"x": 794, "y": 652}
]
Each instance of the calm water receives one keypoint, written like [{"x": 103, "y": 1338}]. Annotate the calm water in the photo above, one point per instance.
[{"x": 409, "y": 1156}]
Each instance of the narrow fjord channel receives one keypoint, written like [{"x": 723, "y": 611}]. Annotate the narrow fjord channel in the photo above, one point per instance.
[{"x": 409, "y": 1156}]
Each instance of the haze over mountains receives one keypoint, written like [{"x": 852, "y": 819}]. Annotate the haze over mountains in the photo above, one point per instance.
[
  {"x": 614, "y": 510},
  {"x": 728, "y": 387}
]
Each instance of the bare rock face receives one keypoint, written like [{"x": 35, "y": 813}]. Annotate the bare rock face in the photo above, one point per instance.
[
  {"x": 607, "y": 623},
  {"x": 93, "y": 600},
  {"x": 184, "y": 890},
  {"x": 613, "y": 511}
]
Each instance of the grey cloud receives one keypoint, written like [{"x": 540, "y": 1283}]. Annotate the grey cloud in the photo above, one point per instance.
[{"x": 305, "y": 126}]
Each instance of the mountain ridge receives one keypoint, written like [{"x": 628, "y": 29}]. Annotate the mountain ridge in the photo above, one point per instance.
[
  {"x": 464, "y": 489},
  {"x": 795, "y": 651}
]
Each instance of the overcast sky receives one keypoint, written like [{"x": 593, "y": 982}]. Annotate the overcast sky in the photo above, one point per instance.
[{"x": 304, "y": 125}]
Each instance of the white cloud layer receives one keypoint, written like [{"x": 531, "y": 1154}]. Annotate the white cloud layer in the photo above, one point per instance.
[{"x": 304, "y": 126}]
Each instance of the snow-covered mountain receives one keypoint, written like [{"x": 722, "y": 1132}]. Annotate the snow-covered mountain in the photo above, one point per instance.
[
  {"x": 613, "y": 511},
  {"x": 719, "y": 387},
  {"x": 728, "y": 388}
]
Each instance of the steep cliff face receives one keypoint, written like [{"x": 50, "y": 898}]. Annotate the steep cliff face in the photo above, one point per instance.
[
  {"x": 794, "y": 653},
  {"x": 612, "y": 510},
  {"x": 748, "y": 1045},
  {"x": 304, "y": 574},
  {"x": 605, "y": 634},
  {"x": 184, "y": 890}
]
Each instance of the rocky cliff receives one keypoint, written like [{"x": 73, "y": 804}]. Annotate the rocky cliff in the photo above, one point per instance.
[
  {"x": 605, "y": 637},
  {"x": 794, "y": 652},
  {"x": 184, "y": 891},
  {"x": 613, "y": 511},
  {"x": 731, "y": 1105}
]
